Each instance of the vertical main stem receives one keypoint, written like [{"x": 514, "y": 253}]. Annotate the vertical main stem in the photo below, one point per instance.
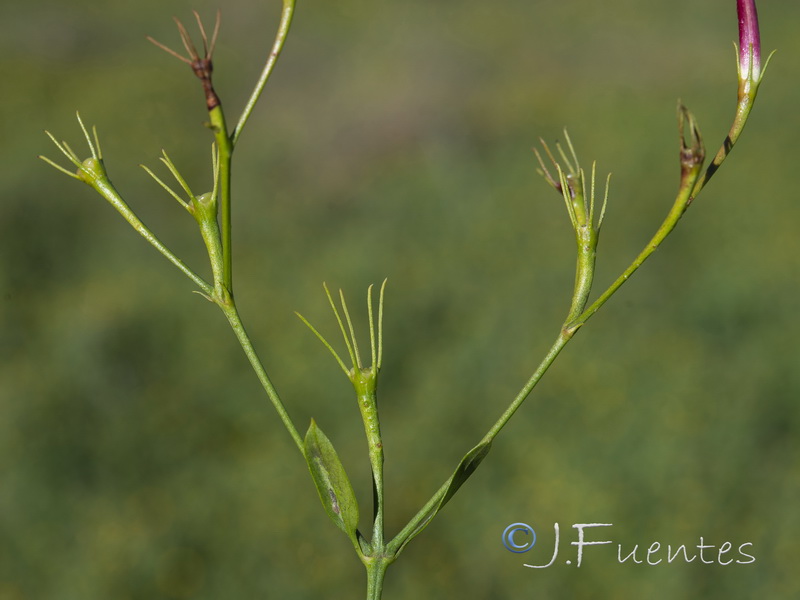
[
  {"x": 229, "y": 308},
  {"x": 225, "y": 149},
  {"x": 376, "y": 573},
  {"x": 225, "y": 217}
]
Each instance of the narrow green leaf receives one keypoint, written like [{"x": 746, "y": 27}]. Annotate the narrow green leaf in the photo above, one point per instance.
[
  {"x": 333, "y": 486},
  {"x": 463, "y": 471}
]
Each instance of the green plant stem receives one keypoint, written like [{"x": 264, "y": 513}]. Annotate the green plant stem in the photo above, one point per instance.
[
  {"x": 399, "y": 541},
  {"x": 583, "y": 281},
  {"x": 105, "y": 189},
  {"x": 586, "y": 262},
  {"x": 232, "y": 314},
  {"x": 376, "y": 572},
  {"x": 365, "y": 385},
  {"x": 225, "y": 153},
  {"x": 682, "y": 201},
  {"x": 226, "y": 142},
  {"x": 747, "y": 96},
  {"x": 564, "y": 336},
  {"x": 280, "y": 39}
]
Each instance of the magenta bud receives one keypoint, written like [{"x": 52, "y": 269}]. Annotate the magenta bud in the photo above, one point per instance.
[{"x": 749, "y": 41}]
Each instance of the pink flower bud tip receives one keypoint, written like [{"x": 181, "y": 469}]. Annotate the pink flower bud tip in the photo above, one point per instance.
[{"x": 749, "y": 41}]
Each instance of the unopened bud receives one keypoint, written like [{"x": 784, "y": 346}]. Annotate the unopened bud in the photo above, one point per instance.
[{"x": 749, "y": 41}]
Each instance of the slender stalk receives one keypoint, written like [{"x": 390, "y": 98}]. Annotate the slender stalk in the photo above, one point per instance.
[
  {"x": 747, "y": 97},
  {"x": 280, "y": 39},
  {"x": 232, "y": 314},
  {"x": 691, "y": 162},
  {"x": 225, "y": 150},
  {"x": 399, "y": 541},
  {"x": 92, "y": 172},
  {"x": 742, "y": 113},
  {"x": 563, "y": 337},
  {"x": 586, "y": 236},
  {"x": 682, "y": 202},
  {"x": 376, "y": 572},
  {"x": 113, "y": 198}
]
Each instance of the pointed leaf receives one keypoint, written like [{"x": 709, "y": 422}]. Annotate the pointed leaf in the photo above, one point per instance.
[
  {"x": 333, "y": 486},
  {"x": 463, "y": 471}
]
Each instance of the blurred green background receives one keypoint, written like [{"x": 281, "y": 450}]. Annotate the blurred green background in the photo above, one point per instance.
[{"x": 138, "y": 457}]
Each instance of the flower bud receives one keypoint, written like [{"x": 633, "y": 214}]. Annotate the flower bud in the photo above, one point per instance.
[{"x": 749, "y": 41}]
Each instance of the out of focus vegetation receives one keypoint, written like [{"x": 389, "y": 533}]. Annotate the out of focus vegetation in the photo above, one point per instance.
[{"x": 138, "y": 457}]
